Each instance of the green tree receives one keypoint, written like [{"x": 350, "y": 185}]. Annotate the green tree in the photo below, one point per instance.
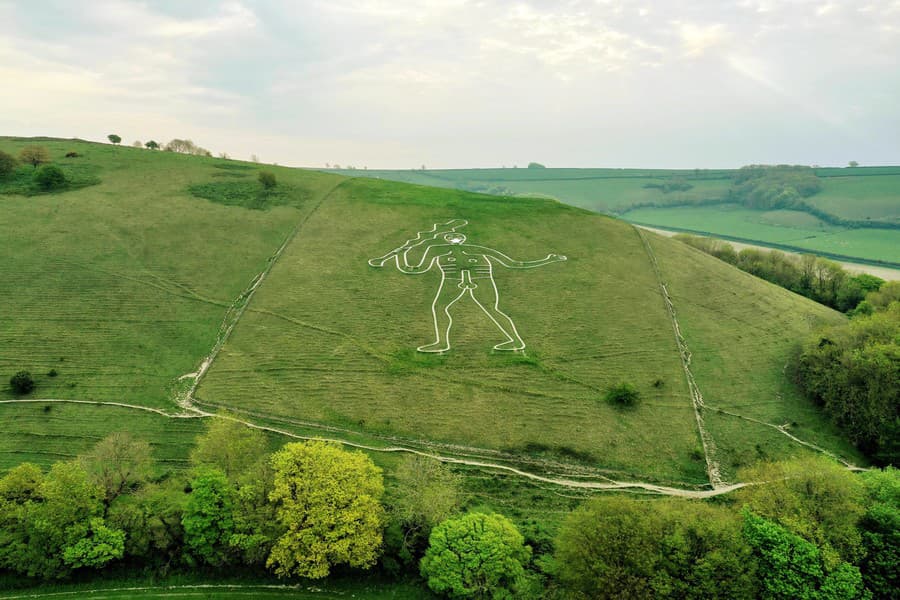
[
  {"x": 328, "y": 501},
  {"x": 427, "y": 493},
  {"x": 47, "y": 517},
  {"x": 880, "y": 527},
  {"x": 34, "y": 155},
  {"x": 791, "y": 568},
  {"x": 7, "y": 164},
  {"x": 151, "y": 519},
  {"x": 208, "y": 519},
  {"x": 535, "y": 165},
  {"x": 50, "y": 177},
  {"x": 118, "y": 464},
  {"x": 113, "y": 138},
  {"x": 241, "y": 453},
  {"x": 608, "y": 549},
  {"x": 99, "y": 546},
  {"x": 852, "y": 163},
  {"x": 812, "y": 497},
  {"x": 267, "y": 179},
  {"x": 22, "y": 383},
  {"x": 853, "y": 372},
  {"x": 619, "y": 547},
  {"x": 230, "y": 446},
  {"x": 152, "y": 145},
  {"x": 476, "y": 555}
]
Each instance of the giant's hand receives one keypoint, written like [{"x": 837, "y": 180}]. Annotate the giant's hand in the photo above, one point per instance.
[{"x": 379, "y": 262}]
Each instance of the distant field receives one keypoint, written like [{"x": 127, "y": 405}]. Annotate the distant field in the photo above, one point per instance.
[
  {"x": 861, "y": 193},
  {"x": 875, "y": 198},
  {"x": 788, "y": 228}
]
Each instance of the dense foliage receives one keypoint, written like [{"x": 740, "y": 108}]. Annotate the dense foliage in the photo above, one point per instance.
[
  {"x": 22, "y": 382},
  {"x": 853, "y": 372},
  {"x": 816, "y": 278},
  {"x": 476, "y": 555},
  {"x": 50, "y": 177},
  {"x": 623, "y": 394},
  {"x": 619, "y": 547},
  {"x": 766, "y": 187},
  {"x": 328, "y": 501},
  {"x": 807, "y": 529},
  {"x": 7, "y": 163}
]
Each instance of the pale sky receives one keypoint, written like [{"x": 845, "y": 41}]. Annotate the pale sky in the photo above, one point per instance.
[{"x": 454, "y": 83}]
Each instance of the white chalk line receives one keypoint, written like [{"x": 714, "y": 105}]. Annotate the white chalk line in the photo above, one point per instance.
[
  {"x": 608, "y": 484},
  {"x": 706, "y": 439},
  {"x": 483, "y": 269},
  {"x": 698, "y": 400},
  {"x": 239, "y": 306}
]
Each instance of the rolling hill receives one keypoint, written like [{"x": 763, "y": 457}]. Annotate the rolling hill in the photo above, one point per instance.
[
  {"x": 865, "y": 195},
  {"x": 174, "y": 287}
]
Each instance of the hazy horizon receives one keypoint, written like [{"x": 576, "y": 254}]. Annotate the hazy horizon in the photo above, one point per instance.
[{"x": 456, "y": 84}]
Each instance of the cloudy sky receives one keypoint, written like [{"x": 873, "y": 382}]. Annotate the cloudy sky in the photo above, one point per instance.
[{"x": 456, "y": 83}]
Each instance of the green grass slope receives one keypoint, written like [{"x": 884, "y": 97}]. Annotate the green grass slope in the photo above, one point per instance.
[
  {"x": 121, "y": 287},
  {"x": 330, "y": 340},
  {"x": 125, "y": 286}
]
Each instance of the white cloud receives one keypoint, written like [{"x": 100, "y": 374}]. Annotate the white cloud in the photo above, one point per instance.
[{"x": 696, "y": 39}]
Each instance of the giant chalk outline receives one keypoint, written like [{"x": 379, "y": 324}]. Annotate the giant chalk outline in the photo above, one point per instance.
[{"x": 478, "y": 266}]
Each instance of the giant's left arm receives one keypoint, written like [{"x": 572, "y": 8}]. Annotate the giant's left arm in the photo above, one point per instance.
[{"x": 511, "y": 263}]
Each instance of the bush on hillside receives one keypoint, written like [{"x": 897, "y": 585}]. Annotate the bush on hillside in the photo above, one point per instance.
[
  {"x": 22, "y": 382},
  {"x": 113, "y": 138},
  {"x": 267, "y": 179},
  {"x": 7, "y": 164},
  {"x": 624, "y": 394},
  {"x": 50, "y": 177},
  {"x": 34, "y": 155},
  {"x": 534, "y": 165}
]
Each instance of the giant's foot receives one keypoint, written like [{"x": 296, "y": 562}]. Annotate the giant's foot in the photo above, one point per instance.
[
  {"x": 435, "y": 347},
  {"x": 511, "y": 345}
]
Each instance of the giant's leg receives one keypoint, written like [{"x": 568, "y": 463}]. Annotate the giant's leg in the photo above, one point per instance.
[
  {"x": 489, "y": 300},
  {"x": 448, "y": 293}
]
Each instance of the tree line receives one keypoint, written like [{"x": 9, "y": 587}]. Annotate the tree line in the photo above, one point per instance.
[
  {"x": 852, "y": 371},
  {"x": 817, "y": 278},
  {"x": 810, "y": 529}
]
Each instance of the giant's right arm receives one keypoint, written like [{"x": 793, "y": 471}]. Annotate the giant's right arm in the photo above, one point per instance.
[{"x": 424, "y": 265}]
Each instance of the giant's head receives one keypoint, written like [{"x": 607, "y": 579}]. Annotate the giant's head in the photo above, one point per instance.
[{"x": 455, "y": 238}]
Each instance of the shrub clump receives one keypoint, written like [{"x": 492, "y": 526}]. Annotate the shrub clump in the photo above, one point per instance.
[
  {"x": 624, "y": 394},
  {"x": 22, "y": 382},
  {"x": 7, "y": 163},
  {"x": 50, "y": 177},
  {"x": 267, "y": 179}
]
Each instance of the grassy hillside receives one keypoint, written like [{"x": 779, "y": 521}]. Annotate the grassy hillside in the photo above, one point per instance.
[
  {"x": 121, "y": 287},
  {"x": 124, "y": 287},
  {"x": 870, "y": 194}
]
